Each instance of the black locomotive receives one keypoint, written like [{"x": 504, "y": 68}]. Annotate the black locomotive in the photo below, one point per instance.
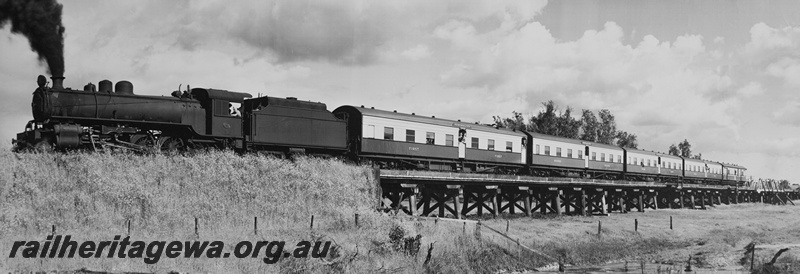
[
  {"x": 199, "y": 118},
  {"x": 196, "y": 118}
]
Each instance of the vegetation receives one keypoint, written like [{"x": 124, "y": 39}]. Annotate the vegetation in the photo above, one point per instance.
[
  {"x": 554, "y": 122},
  {"x": 684, "y": 149},
  {"x": 92, "y": 196}
]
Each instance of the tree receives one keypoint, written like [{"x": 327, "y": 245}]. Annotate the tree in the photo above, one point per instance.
[
  {"x": 673, "y": 150},
  {"x": 515, "y": 123},
  {"x": 568, "y": 126},
  {"x": 549, "y": 121},
  {"x": 626, "y": 140},
  {"x": 546, "y": 122},
  {"x": 552, "y": 121},
  {"x": 698, "y": 156},
  {"x": 686, "y": 148},
  {"x": 607, "y": 129},
  {"x": 589, "y": 125}
]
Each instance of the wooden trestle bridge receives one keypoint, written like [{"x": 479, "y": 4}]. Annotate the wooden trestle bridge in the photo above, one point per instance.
[{"x": 456, "y": 195}]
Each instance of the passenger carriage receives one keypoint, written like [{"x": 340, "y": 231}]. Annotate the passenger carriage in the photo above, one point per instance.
[
  {"x": 670, "y": 167},
  {"x": 641, "y": 164},
  {"x": 556, "y": 156},
  {"x": 402, "y": 140},
  {"x": 603, "y": 161}
]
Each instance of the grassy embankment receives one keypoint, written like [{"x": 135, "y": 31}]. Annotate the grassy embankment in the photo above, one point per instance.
[{"x": 93, "y": 196}]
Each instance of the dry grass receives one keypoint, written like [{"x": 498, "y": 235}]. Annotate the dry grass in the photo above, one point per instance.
[{"x": 91, "y": 196}]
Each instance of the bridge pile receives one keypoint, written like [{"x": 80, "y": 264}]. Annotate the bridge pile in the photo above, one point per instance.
[{"x": 456, "y": 195}]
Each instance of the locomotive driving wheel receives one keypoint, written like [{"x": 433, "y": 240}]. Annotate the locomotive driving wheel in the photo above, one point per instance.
[
  {"x": 144, "y": 140},
  {"x": 170, "y": 144}
]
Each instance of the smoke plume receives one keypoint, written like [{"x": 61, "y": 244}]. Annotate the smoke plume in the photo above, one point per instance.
[{"x": 40, "y": 22}]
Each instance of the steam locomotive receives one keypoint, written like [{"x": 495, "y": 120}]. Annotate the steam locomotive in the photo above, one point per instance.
[{"x": 113, "y": 117}]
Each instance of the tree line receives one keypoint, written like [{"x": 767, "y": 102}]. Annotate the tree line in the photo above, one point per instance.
[
  {"x": 684, "y": 149},
  {"x": 600, "y": 128}
]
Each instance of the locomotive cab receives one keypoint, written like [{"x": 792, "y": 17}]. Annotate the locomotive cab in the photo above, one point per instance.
[{"x": 219, "y": 120}]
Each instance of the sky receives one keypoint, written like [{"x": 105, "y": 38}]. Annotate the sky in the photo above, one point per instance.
[{"x": 722, "y": 74}]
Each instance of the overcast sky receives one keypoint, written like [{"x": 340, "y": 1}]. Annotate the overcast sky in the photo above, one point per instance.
[{"x": 722, "y": 74}]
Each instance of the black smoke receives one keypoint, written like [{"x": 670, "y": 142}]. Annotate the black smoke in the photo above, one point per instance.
[{"x": 40, "y": 22}]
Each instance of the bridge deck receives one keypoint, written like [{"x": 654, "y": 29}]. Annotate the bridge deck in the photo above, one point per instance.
[{"x": 459, "y": 194}]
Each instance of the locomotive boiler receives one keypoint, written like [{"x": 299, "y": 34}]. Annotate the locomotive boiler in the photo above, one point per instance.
[{"x": 113, "y": 116}]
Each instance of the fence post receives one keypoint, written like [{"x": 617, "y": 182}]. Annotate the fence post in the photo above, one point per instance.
[
  {"x": 635, "y": 224},
  {"x": 478, "y": 230},
  {"x": 255, "y": 225},
  {"x": 670, "y": 222},
  {"x": 599, "y": 227},
  {"x": 357, "y": 220},
  {"x": 195, "y": 227},
  {"x": 312, "y": 222}
]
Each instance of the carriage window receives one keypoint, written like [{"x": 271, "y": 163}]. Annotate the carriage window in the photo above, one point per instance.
[
  {"x": 410, "y": 135},
  {"x": 430, "y": 138},
  {"x": 580, "y": 155},
  {"x": 619, "y": 159},
  {"x": 602, "y": 157},
  {"x": 558, "y": 151},
  {"x": 594, "y": 156},
  {"x": 546, "y": 150},
  {"x": 388, "y": 133},
  {"x": 537, "y": 149},
  {"x": 509, "y": 147},
  {"x": 448, "y": 140},
  {"x": 648, "y": 162},
  {"x": 569, "y": 153},
  {"x": 635, "y": 161},
  {"x": 474, "y": 142},
  {"x": 491, "y": 145}
]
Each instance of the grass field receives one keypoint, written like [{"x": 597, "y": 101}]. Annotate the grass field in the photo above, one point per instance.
[{"x": 93, "y": 196}]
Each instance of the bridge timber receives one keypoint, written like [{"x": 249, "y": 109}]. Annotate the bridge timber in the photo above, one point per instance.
[{"x": 456, "y": 195}]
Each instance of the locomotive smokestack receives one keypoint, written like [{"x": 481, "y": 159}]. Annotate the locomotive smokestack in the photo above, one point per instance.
[{"x": 58, "y": 82}]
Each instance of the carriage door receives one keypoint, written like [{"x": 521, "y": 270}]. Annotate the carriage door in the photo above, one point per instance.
[
  {"x": 586, "y": 157},
  {"x": 523, "y": 150},
  {"x": 659, "y": 165},
  {"x": 462, "y": 143}
]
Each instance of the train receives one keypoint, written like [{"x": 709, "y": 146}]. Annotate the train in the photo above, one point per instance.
[{"x": 113, "y": 117}]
